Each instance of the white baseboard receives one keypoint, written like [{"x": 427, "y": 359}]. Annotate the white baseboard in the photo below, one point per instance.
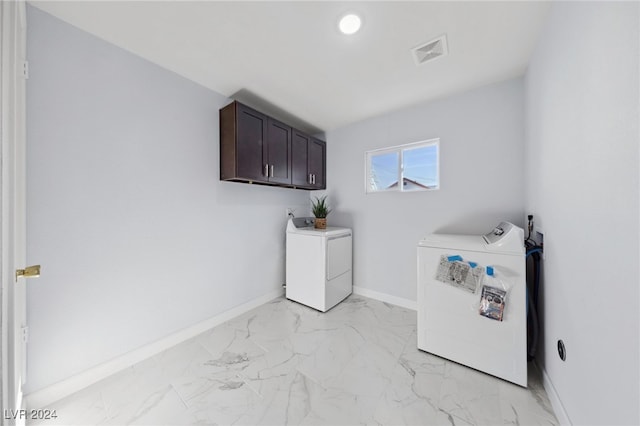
[
  {"x": 554, "y": 398},
  {"x": 45, "y": 397},
  {"x": 383, "y": 297}
]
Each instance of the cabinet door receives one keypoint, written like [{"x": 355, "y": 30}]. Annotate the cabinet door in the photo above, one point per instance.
[
  {"x": 251, "y": 139},
  {"x": 317, "y": 162},
  {"x": 279, "y": 152},
  {"x": 299, "y": 159}
]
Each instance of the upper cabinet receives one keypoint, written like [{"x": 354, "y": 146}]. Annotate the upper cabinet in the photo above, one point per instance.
[
  {"x": 278, "y": 152},
  {"x": 255, "y": 148},
  {"x": 309, "y": 161},
  {"x": 243, "y": 132},
  {"x": 317, "y": 163}
]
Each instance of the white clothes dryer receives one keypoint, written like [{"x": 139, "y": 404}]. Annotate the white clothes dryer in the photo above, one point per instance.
[
  {"x": 450, "y": 323},
  {"x": 319, "y": 264}
]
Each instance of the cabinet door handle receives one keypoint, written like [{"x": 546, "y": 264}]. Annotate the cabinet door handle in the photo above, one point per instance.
[
  {"x": 310, "y": 178},
  {"x": 266, "y": 170},
  {"x": 272, "y": 170},
  {"x": 314, "y": 179}
]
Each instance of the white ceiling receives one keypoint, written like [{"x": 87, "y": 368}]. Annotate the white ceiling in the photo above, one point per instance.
[{"x": 289, "y": 59}]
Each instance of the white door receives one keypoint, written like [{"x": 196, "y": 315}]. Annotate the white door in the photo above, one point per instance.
[{"x": 12, "y": 126}]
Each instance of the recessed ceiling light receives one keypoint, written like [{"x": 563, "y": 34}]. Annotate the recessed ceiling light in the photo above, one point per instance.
[{"x": 350, "y": 24}]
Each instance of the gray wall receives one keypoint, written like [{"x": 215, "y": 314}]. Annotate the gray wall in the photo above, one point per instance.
[
  {"x": 582, "y": 184},
  {"x": 136, "y": 235},
  {"x": 481, "y": 176}
]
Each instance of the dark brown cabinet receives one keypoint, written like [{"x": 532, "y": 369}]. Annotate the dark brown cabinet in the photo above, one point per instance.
[
  {"x": 255, "y": 148},
  {"x": 277, "y": 152},
  {"x": 308, "y": 161},
  {"x": 317, "y": 163},
  {"x": 247, "y": 140}
]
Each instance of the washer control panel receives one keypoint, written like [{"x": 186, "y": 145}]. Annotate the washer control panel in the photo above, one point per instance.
[
  {"x": 498, "y": 232},
  {"x": 505, "y": 236},
  {"x": 303, "y": 222}
]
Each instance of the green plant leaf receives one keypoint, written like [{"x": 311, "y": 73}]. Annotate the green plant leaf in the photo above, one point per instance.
[{"x": 320, "y": 208}]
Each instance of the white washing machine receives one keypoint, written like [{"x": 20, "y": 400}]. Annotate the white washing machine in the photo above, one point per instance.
[
  {"x": 453, "y": 319},
  {"x": 319, "y": 263}
]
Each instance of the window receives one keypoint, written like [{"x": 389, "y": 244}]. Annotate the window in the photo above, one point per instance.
[{"x": 416, "y": 165}]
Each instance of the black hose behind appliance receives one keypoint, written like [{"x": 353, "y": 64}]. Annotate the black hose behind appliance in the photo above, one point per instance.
[{"x": 533, "y": 325}]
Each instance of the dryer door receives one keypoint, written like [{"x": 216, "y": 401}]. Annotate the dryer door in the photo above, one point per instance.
[{"x": 338, "y": 255}]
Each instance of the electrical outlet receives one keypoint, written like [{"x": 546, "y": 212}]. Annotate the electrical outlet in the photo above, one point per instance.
[
  {"x": 562, "y": 350},
  {"x": 289, "y": 212}
]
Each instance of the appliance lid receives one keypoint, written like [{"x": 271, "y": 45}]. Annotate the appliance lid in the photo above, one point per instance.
[
  {"x": 305, "y": 225},
  {"x": 505, "y": 238},
  {"x": 454, "y": 242},
  {"x": 330, "y": 231}
]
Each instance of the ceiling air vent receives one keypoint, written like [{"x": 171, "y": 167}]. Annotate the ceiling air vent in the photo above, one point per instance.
[{"x": 430, "y": 50}]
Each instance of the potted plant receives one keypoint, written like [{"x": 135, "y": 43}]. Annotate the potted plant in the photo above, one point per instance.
[{"x": 320, "y": 210}]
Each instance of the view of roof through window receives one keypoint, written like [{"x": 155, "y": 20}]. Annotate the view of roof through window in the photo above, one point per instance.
[{"x": 415, "y": 165}]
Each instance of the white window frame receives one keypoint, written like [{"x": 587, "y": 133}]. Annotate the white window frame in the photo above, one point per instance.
[{"x": 399, "y": 149}]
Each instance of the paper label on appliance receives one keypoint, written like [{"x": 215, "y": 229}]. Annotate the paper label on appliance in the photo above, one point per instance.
[{"x": 459, "y": 274}]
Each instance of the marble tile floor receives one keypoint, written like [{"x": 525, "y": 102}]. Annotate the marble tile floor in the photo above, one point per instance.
[{"x": 283, "y": 363}]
